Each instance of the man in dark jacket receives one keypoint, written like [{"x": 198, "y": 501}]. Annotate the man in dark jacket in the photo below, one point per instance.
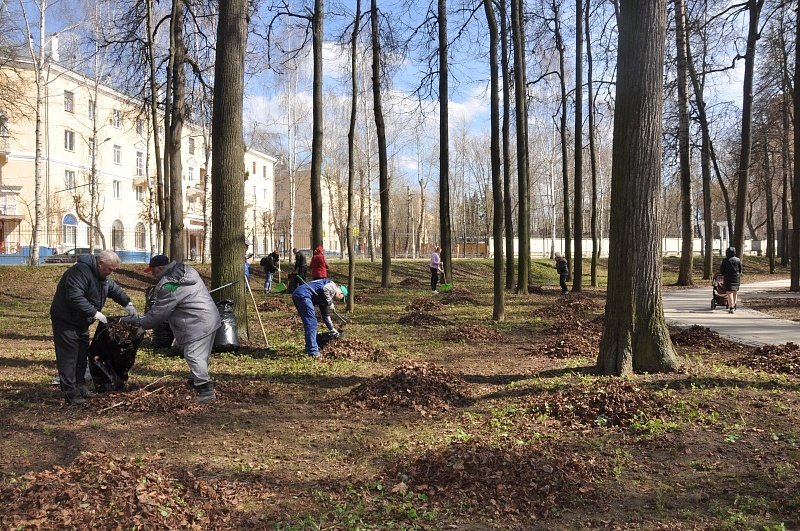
[
  {"x": 731, "y": 270},
  {"x": 271, "y": 264},
  {"x": 300, "y": 267},
  {"x": 80, "y": 296},
  {"x": 182, "y": 299},
  {"x": 562, "y": 268}
]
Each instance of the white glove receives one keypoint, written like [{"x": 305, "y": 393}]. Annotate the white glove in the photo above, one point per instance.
[
  {"x": 335, "y": 333},
  {"x": 100, "y": 317},
  {"x": 131, "y": 309}
]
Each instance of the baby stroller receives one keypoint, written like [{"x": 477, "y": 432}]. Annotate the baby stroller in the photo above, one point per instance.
[{"x": 719, "y": 297}]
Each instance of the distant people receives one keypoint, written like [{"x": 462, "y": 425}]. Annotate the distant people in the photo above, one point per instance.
[
  {"x": 271, "y": 265},
  {"x": 322, "y": 293},
  {"x": 247, "y": 257},
  {"x": 181, "y": 298},
  {"x": 319, "y": 266},
  {"x": 731, "y": 271},
  {"x": 193, "y": 254},
  {"x": 80, "y": 296},
  {"x": 562, "y": 268},
  {"x": 436, "y": 268},
  {"x": 300, "y": 267}
]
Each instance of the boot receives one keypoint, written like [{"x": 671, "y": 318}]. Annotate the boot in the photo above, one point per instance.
[
  {"x": 85, "y": 392},
  {"x": 205, "y": 393},
  {"x": 75, "y": 400}
]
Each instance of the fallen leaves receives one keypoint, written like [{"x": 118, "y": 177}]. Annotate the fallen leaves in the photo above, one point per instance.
[
  {"x": 352, "y": 349},
  {"x": 423, "y": 319},
  {"x": 783, "y": 359},
  {"x": 473, "y": 334}
]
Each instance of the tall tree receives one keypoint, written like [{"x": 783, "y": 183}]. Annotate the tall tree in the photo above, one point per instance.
[
  {"x": 592, "y": 148},
  {"x": 444, "y": 143},
  {"x": 687, "y": 233},
  {"x": 523, "y": 186},
  {"x": 577, "y": 268},
  {"x": 563, "y": 128},
  {"x": 507, "y": 208},
  {"x": 161, "y": 196},
  {"x": 317, "y": 127},
  {"x": 227, "y": 172},
  {"x": 743, "y": 171},
  {"x": 383, "y": 164},
  {"x": 498, "y": 308},
  {"x": 177, "y": 244},
  {"x": 635, "y": 337},
  {"x": 794, "y": 260},
  {"x": 351, "y": 156}
]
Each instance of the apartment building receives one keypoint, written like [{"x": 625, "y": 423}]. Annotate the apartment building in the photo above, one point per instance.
[{"x": 91, "y": 129}]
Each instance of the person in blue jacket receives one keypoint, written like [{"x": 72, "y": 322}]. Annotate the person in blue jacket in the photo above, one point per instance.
[
  {"x": 322, "y": 293},
  {"x": 78, "y": 302}
]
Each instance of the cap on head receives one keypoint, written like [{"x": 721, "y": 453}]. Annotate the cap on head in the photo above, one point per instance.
[
  {"x": 247, "y": 243},
  {"x": 159, "y": 260},
  {"x": 730, "y": 252},
  {"x": 318, "y": 249},
  {"x": 343, "y": 289}
]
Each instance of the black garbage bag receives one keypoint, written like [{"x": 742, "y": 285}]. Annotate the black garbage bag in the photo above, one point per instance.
[
  {"x": 294, "y": 281},
  {"x": 227, "y": 338},
  {"x": 112, "y": 353},
  {"x": 162, "y": 334}
]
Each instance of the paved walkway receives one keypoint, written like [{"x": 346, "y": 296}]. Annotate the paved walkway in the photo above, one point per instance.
[{"x": 688, "y": 307}]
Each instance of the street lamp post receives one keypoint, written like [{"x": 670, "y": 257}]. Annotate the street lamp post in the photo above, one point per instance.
[{"x": 92, "y": 190}]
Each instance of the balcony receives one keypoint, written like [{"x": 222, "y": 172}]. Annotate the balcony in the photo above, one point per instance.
[
  {"x": 5, "y": 148},
  {"x": 139, "y": 179},
  {"x": 195, "y": 191}
]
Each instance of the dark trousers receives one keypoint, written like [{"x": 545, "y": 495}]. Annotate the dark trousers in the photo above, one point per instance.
[
  {"x": 562, "y": 279},
  {"x": 72, "y": 350},
  {"x": 434, "y": 278}
]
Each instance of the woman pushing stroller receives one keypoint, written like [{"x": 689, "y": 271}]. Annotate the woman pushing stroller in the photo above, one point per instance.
[{"x": 731, "y": 271}]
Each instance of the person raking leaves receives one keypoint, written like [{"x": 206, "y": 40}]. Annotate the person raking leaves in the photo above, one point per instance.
[{"x": 322, "y": 293}]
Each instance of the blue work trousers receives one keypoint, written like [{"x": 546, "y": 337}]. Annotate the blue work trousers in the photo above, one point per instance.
[{"x": 305, "y": 309}]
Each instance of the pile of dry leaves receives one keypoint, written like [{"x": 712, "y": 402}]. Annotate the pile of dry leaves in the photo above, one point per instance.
[
  {"x": 458, "y": 296},
  {"x": 424, "y": 304},
  {"x": 699, "y": 337},
  {"x": 510, "y": 481},
  {"x": 472, "y": 334},
  {"x": 421, "y": 319},
  {"x": 123, "y": 333},
  {"x": 570, "y": 307},
  {"x": 424, "y": 388},
  {"x": 273, "y": 304},
  {"x": 352, "y": 349},
  {"x": 606, "y": 403},
  {"x": 573, "y": 344},
  {"x": 100, "y": 491},
  {"x": 410, "y": 282},
  {"x": 784, "y": 359}
]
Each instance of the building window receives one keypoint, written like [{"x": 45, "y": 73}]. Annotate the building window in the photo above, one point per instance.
[
  {"x": 69, "y": 179},
  {"x": 117, "y": 186},
  {"x": 139, "y": 126},
  {"x": 191, "y": 173},
  {"x": 117, "y": 154},
  {"x": 139, "y": 237},
  {"x": 69, "y": 101},
  {"x": 69, "y": 140},
  {"x": 116, "y": 118},
  {"x": 70, "y": 228},
  {"x": 117, "y": 234},
  {"x": 139, "y": 163},
  {"x": 266, "y": 196},
  {"x": 254, "y": 168},
  {"x": 140, "y": 193},
  {"x": 191, "y": 146},
  {"x": 91, "y": 109}
]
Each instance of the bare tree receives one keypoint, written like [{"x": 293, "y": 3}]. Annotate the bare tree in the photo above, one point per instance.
[
  {"x": 635, "y": 337},
  {"x": 577, "y": 269},
  {"x": 685, "y": 271},
  {"x": 444, "y": 143},
  {"x": 523, "y": 231},
  {"x": 383, "y": 165}
]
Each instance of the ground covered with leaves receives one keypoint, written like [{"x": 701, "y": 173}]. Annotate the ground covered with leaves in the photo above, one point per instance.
[{"x": 425, "y": 414}]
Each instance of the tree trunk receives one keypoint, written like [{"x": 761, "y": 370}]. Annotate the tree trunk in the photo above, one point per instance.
[
  {"x": 227, "y": 173},
  {"x": 635, "y": 337},
  {"x": 498, "y": 308},
  {"x": 316, "y": 138},
  {"x": 177, "y": 249},
  {"x": 523, "y": 230},
  {"x": 794, "y": 258},
  {"x": 577, "y": 268},
  {"x": 507, "y": 209},
  {"x": 770, "y": 208},
  {"x": 383, "y": 164},
  {"x": 687, "y": 233},
  {"x": 444, "y": 145},
  {"x": 563, "y": 131},
  {"x": 351, "y": 156},
  {"x": 743, "y": 171},
  {"x": 161, "y": 199},
  {"x": 592, "y": 149}
]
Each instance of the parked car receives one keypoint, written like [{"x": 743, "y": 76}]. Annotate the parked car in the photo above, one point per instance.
[{"x": 68, "y": 257}]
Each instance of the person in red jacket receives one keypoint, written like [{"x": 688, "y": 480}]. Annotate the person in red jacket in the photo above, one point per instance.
[{"x": 319, "y": 266}]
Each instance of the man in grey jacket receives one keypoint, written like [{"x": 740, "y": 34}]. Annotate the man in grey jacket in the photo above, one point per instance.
[
  {"x": 181, "y": 298},
  {"x": 80, "y": 296}
]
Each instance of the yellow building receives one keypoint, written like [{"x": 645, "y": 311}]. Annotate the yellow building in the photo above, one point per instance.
[{"x": 90, "y": 129}]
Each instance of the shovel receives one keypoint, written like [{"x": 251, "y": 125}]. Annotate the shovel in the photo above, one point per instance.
[{"x": 445, "y": 286}]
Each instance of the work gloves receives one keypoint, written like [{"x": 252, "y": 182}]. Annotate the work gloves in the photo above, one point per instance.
[
  {"x": 98, "y": 316},
  {"x": 335, "y": 333},
  {"x": 134, "y": 318},
  {"x": 131, "y": 309}
]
